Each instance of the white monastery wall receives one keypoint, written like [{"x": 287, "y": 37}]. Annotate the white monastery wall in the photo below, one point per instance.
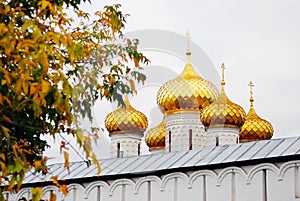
[{"x": 262, "y": 182}]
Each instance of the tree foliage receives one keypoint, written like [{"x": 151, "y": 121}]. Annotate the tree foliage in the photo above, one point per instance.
[{"x": 52, "y": 70}]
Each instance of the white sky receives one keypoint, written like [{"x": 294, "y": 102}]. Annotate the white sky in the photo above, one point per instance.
[{"x": 257, "y": 40}]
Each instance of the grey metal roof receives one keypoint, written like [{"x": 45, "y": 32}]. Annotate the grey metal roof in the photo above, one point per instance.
[{"x": 198, "y": 158}]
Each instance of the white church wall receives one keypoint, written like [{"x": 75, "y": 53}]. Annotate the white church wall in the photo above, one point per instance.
[
  {"x": 288, "y": 181},
  {"x": 262, "y": 182},
  {"x": 129, "y": 143},
  {"x": 224, "y": 135},
  {"x": 179, "y": 124}
]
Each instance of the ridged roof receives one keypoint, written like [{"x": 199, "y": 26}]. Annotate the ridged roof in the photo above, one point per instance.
[{"x": 226, "y": 155}]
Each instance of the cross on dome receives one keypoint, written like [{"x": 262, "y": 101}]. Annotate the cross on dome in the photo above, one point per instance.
[
  {"x": 223, "y": 70},
  {"x": 251, "y": 85},
  {"x": 188, "y": 41}
]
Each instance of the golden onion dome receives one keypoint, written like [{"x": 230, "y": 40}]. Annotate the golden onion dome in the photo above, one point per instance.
[
  {"x": 155, "y": 137},
  {"x": 255, "y": 128},
  {"x": 126, "y": 119},
  {"x": 187, "y": 92},
  {"x": 223, "y": 112}
]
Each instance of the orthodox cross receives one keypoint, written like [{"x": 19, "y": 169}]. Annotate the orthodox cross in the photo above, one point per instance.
[
  {"x": 223, "y": 70},
  {"x": 251, "y": 85},
  {"x": 188, "y": 52}
]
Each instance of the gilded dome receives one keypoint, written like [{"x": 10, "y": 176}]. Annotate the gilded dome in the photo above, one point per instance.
[
  {"x": 255, "y": 128},
  {"x": 126, "y": 119},
  {"x": 223, "y": 113},
  {"x": 187, "y": 92},
  {"x": 155, "y": 137}
]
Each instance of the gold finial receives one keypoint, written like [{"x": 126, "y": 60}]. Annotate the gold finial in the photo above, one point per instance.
[
  {"x": 188, "y": 40},
  {"x": 251, "y": 85},
  {"x": 223, "y": 69}
]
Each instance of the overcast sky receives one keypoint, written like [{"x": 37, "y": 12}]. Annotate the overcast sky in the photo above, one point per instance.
[{"x": 257, "y": 40}]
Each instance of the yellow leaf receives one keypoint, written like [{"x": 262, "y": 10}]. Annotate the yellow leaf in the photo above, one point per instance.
[
  {"x": 105, "y": 91},
  {"x": 69, "y": 40},
  {"x": 55, "y": 180},
  {"x": 52, "y": 197},
  {"x": 36, "y": 194},
  {"x": 136, "y": 62},
  {"x": 7, "y": 78},
  {"x": 25, "y": 87},
  {"x": 7, "y": 9},
  {"x": 33, "y": 88},
  {"x": 96, "y": 162},
  {"x": 18, "y": 85},
  {"x": 44, "y": 61},
  {"x": 2, "y": 166},
  {"x": 6, "y": 132},
  {"x": 63, "y": 189},
  {"x": 112, "y": 80},
  {"x": 67, "y": 163},
  {"x": 2, "y": 162},
  {"x": 45, "y": 86},
  {"x": 2, "y": 156},
  {"x": 132, "y": 85},
  {"x": 44, "y": 4}
]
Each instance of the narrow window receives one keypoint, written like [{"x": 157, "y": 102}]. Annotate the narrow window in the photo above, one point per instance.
[
  {"x": 204, "y": 188},
  {"x": 118, "y": 149},
  {"x": 296, "y": 175},
  {"x": 139, "y": 149},
  {"x": 233, "y": 187},
  {"x": 7, "y": 196},
  {"x": 175, "y": 189},
  {"x": 98, "y": 193},
  {"x": 149, "y": 191},
  {"x": 217, "y": 141},
  {"x": 190, "y": 140},
  {"x": 264, "y": 185},
  {"x": 123, "y": 192},
  {"x": 169, "y": 141}
]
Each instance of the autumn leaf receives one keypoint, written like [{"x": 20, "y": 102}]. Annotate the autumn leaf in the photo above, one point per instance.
[
  {"x": 67, "y": 163},
  {"x": 55, "y": 180},
  {"x": 64, "y": 189},
  {"x": 52, "y": 197},
  {"x": 132, "y": 86},
  {"x": 95, "y": 161},
  {"x": 36, "y": 194}
]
